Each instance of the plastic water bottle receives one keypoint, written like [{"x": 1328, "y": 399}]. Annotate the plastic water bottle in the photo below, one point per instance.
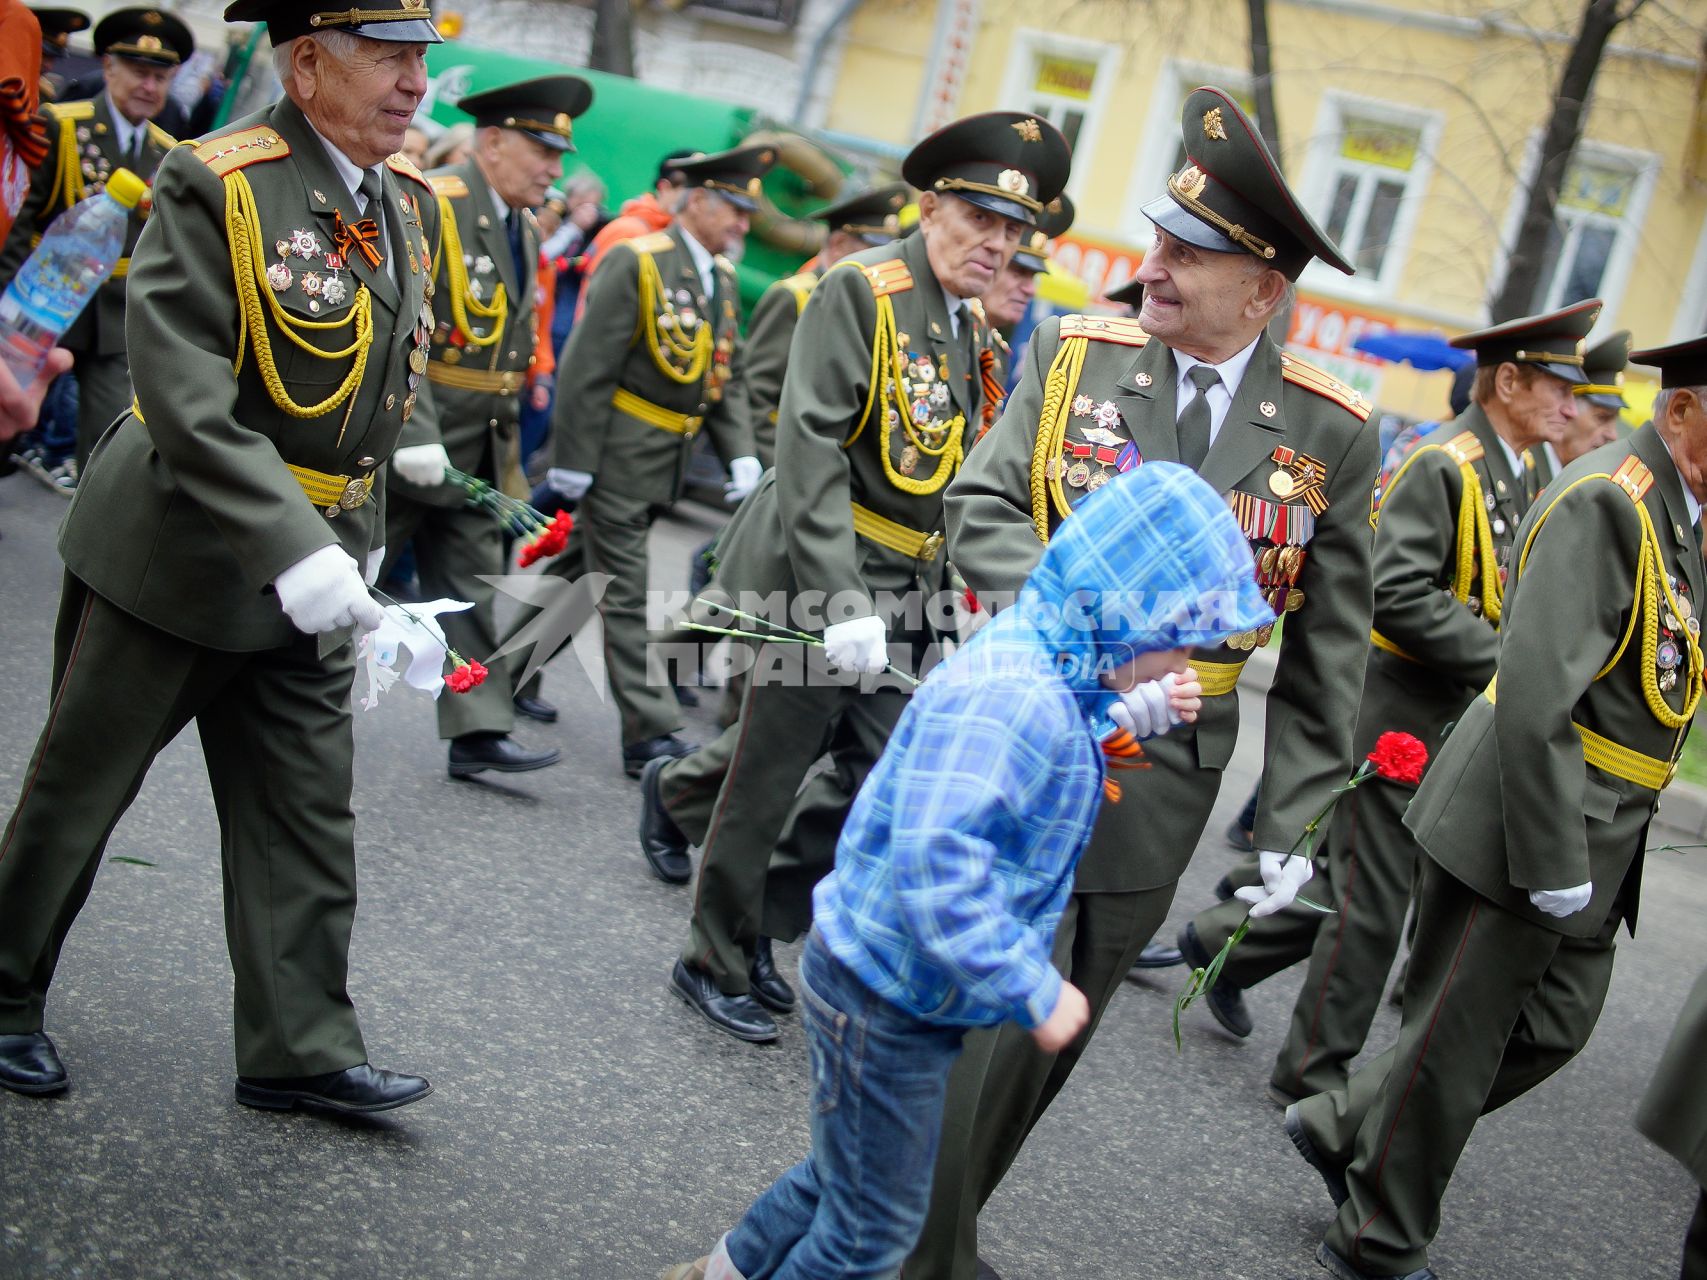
[{"x": 77, "y": 253}]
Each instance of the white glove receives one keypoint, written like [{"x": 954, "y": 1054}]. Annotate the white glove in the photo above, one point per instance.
[
  {"x": 422, "y": 464},
  {"x": 744, "y": 476},
  {"x": 1146, "y": 710},
  {"x": 323, "y": 592},
  {"x": 571, "y": 486},
  {"x": 861, "y": 645},
  {"x": 375, "y": 559},
  {"x": 1562, "y": 902},
  {"x": 1283, "y": 875}
]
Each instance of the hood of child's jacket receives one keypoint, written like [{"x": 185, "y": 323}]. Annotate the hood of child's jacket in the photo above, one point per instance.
[{"x": 1152, "y": 560}]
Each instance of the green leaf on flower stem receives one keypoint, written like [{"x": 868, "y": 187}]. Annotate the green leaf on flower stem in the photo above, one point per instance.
[{"x": 135, "y": 862}]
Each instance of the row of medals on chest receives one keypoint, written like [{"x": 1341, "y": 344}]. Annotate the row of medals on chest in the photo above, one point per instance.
[
  {"x": 1502, "y": 551},
  {"x": 1669, "y": 652},
  {"x": 923, "y": 385},
  {"x": 680, "y": 316},
  {"x": 332, "y": 289}
]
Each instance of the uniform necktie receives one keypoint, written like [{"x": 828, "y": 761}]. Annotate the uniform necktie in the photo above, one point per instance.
[
  {"x": 513, "y": 227},
  {"x": 1194, "y": 422},
  {"x": 374, "y": 193}
]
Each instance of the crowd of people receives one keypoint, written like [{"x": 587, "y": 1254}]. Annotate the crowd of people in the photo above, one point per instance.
[{"x": 1003, "y": 600}]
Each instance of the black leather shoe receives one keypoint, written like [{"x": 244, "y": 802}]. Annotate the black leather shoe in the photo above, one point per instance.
[
  {"x": 355, "y": 1090},
  {"x": 1157, "y": 955},
  {"x": 661, "y": 840},
  {"x": 534, "y": 708},
  {"x": 477, "y": 752},
  {"x": 1223, "y": 890},
  {"x": 1226, "y": 1002},
  {"x": 30, "y": 1064},
  {"x": 1338, "y": 1266},
  {"x": 665, "y": 745},
  {"x": 770, "y": 988},
  {"x": 740, "y": 1016},
  {"x": 1332, "y": 1174},
  {"x": 1237, "y": 837}
]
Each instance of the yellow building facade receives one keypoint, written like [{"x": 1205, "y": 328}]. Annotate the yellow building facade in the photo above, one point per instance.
[{"x": 1408, "y": 127}]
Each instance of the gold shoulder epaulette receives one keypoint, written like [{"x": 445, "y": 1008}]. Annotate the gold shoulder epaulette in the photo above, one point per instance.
[
  {"x": 887, "y": 277},
  {"x": 400, "y": 163},
  {"x": 160, "y": 136},
  {"x": 1302, "y": 374},
  {"x": 233, "y": 151},
  {"x": 1122, "y": 329},
  {"x": 1634, "y": 477},
  {"x": 651, "y": 242},
  {"x": 448, "y": 184},
  {"x": 70, "y": 110},
  {"x": 1464, "y": 448}
]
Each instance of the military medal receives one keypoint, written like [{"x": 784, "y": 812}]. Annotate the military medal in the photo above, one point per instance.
[
  {"x": 909, "y": 460},
  {"x": 417, "y": 361},
  {"x": 304, "y": 244},
  {"x": 279, "y": 277},
  {"x": 1127, "y": 458},
  {"x": 311, "y": 283},
  {"x": 1097, "y": 480},
  {"x": 1107, "y": 415},
  {"x": 939, "y": 393},
  {"x": 1082, "y": 406},
  {"x": 1280, "y": 484},
  {"x": 1079, "y": 475},
  {"x": 282, "y": 248}
]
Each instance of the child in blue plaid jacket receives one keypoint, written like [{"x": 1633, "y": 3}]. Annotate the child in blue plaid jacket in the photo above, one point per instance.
[{"x": 958, "y": 856}]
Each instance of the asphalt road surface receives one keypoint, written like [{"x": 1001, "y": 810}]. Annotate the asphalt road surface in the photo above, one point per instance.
[{"x": 511, "y": 946}]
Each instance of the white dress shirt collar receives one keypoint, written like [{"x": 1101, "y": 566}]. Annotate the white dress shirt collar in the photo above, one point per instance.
[
  {"x": 349, "y": 172},
  {"x": 702, "y": 262},
  {"x": 1232, "y": 371}
]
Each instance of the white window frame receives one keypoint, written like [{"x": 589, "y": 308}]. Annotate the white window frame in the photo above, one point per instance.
[
  {"x": 1021, "y": 76},
  {"x": 1691, "y": 318},
  {"x": 1622, "y": 259},
  {"x": 1153, "y": 164},
  {"x": 1323, "y": 164}
]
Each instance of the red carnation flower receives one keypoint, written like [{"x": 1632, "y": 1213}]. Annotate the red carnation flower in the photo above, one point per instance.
[
  {"x": 465, "y": 676},
  {"x": 969, "y": 599},
  {"x": 551, "y": 541},
  {"x": 1399, "y": 757}
]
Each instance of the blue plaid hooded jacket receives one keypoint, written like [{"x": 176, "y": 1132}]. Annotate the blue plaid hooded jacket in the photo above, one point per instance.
[{"x": 958, "y": 855}]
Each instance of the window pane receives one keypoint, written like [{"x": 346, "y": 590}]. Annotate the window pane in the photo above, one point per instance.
[
  {"x": 1549, "y": 264},
  {"x": 1071, "y": 121},
  {"x": 1378, "y": 227},
  {"x": 1588, "y": 264},
  {"x": 1339, "y": 212}
]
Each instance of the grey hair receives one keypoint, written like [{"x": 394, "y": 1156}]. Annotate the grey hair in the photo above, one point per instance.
[
  {"x": 340, "y": 44},
  {"x": 1662, "y": 402},
  {"x": 583, "y": 184}
]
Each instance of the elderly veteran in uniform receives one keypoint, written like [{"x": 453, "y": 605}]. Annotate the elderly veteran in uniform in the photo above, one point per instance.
[
  {"x": 140, "y": 50},
  {"x": 646, "y": 367},
  {"x": 1600, "y": 401},
  {"x": 1196, "y": 380},
  {"x": 216, "y": 549},
  {"x": 671, "y": 821},
  {"x": 884, "y": 395},
  {"x": 1533, "y": 821},
  {"x": 1432, "y": 648},
  {"x": 483, "y": 319},
  {"x": 57, "y": 28},
  {"x": 1673, "y": 1113}
]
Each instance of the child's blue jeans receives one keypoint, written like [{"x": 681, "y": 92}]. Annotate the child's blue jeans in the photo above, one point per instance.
[{"x": 855, "y": 1205}]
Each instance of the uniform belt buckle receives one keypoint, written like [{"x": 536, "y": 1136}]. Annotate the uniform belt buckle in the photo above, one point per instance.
[
  {"x": 929, "y": 548},
  {"x": 354, "y": 494}
]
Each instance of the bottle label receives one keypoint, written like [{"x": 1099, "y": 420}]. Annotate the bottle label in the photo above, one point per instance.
[{"x": 44, "y": 298}]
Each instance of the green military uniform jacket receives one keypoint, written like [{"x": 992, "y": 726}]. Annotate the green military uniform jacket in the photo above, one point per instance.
[
  {"x": 1286, "y": 417},
  {"x": 646, "y": 366},
  {"x": 83, "y": 152},
  {"x": 483, "y": 335},
  {"x": 858, "y": 506},
  {"x": 1673, "y": 1111},
  {"x": 200, "y": 496},
  {"x": 1538, "y": 470},
  {"x": 764, "y": 361},
  {"x": 1434, "y": 607},
  {"x": 1512, "y": 803}
]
